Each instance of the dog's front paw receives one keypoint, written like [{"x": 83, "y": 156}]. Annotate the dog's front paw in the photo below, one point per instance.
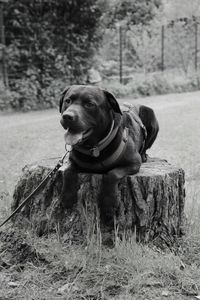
[
  {"x": 107, "y": 217},
  {"x": 67, "y": 200}
]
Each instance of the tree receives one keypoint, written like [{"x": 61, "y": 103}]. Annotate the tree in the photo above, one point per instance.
[
  {"x": 50, "y": 43},
  {"x": 136, "y": 18},
  {"x": 132, "y": 12},
  {"x": 51, "y": 37},
  {"x": 180, "y": 9}
]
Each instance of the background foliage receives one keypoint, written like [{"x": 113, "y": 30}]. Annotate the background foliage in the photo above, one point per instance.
[
  {"x": 47, "y": 40},
  {"x": 50, "y": 44},
  {"x": 131, "y": 12}
]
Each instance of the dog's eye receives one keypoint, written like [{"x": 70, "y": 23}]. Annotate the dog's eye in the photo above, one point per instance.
[
  {"x": 68, "y": 100},
  {"x": 89, "y": 104}
]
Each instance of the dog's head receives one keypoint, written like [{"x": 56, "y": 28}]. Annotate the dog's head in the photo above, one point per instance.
[{"x": 86, "y": 111}]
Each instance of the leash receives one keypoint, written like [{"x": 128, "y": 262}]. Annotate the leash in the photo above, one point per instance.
[{"x": 34, "y": 192}]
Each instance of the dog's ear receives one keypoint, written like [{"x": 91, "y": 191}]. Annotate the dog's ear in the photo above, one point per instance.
[
  {"x": 113, "y": 102},
  {"x": 62, "y": 98}
]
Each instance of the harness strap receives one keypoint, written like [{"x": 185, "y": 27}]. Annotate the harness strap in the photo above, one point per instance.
[
  {"x": 144, "y": 131},
  {"x": 127, "y": 107}
]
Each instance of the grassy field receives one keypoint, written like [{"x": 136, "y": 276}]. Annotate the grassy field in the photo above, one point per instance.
[{"x": 50, "y": 269}]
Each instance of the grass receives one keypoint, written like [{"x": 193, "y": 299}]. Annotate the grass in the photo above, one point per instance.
[
  {"x": 127, "y": 271},
  {"x": 50, "y": 268}
]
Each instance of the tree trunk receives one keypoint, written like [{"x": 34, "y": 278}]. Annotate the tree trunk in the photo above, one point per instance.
[{"x": 151, "y": 204}]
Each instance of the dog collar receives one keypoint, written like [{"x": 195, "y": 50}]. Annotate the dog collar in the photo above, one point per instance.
[
  {"x": 96, "y": 150},
  {"x": 100, "y": 165}
]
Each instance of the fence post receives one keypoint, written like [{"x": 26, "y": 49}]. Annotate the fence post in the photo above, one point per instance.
[
  {"x": 70, "y": 59},
  {"x": 196, "y": 46},
  {"x": 120, "y": 56},
  {"x": 162, "y": 48},
  {"x": 3, "y": 65}
]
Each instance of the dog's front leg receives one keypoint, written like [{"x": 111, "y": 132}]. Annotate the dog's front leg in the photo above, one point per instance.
[
  {"x": 68, "y": 195},
  {"x": 108, "y": 201},
  {"x": 108, "y": 197}
]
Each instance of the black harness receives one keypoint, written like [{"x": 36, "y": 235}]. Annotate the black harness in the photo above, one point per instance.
[{"x": 107, "y": 153}]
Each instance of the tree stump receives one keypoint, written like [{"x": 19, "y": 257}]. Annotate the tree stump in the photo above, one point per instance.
[{"x": 151, "y": 203}]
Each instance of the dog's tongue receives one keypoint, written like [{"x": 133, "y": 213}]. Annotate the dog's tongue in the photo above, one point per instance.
[{"x": 72, "y": 138}]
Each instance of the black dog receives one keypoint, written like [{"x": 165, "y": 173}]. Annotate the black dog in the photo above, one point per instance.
[{"x": 104, "y": 140}]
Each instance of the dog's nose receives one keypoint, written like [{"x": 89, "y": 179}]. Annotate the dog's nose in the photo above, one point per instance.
[{"x": 69, "y": 117}]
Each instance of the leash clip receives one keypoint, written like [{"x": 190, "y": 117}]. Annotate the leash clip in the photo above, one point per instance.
[{"x": 68, "y": 149}]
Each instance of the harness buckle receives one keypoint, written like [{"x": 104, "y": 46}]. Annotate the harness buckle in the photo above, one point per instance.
[{"x": 95, "y": 152}]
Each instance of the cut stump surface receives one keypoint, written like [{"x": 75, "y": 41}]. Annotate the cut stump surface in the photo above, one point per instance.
[{"x": 151, "y": 203}]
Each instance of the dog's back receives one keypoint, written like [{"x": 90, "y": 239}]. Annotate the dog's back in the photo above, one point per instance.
[{"x": 143, "y": 126}]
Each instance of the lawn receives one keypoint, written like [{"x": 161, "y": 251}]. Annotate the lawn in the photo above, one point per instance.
[{"x": 128, "y": 271}]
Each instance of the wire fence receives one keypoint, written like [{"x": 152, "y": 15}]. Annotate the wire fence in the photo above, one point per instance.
[
  {"x": 123, "y": 54},
  {"x": 149, "y": 49}
]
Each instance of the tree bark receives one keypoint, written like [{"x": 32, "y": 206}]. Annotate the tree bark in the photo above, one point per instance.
[{"x": 151, "y": 204}]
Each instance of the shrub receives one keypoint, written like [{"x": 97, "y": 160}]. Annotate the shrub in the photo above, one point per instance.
[
  {"x": 6, "y": 98},
  {"x": 155, "y": 84},
  {"x": 27, "y": 94}
]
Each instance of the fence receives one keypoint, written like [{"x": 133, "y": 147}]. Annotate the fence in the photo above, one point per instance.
[
  {"x": 157, "y": 48},
  {"x": 127, "y": 52}
]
